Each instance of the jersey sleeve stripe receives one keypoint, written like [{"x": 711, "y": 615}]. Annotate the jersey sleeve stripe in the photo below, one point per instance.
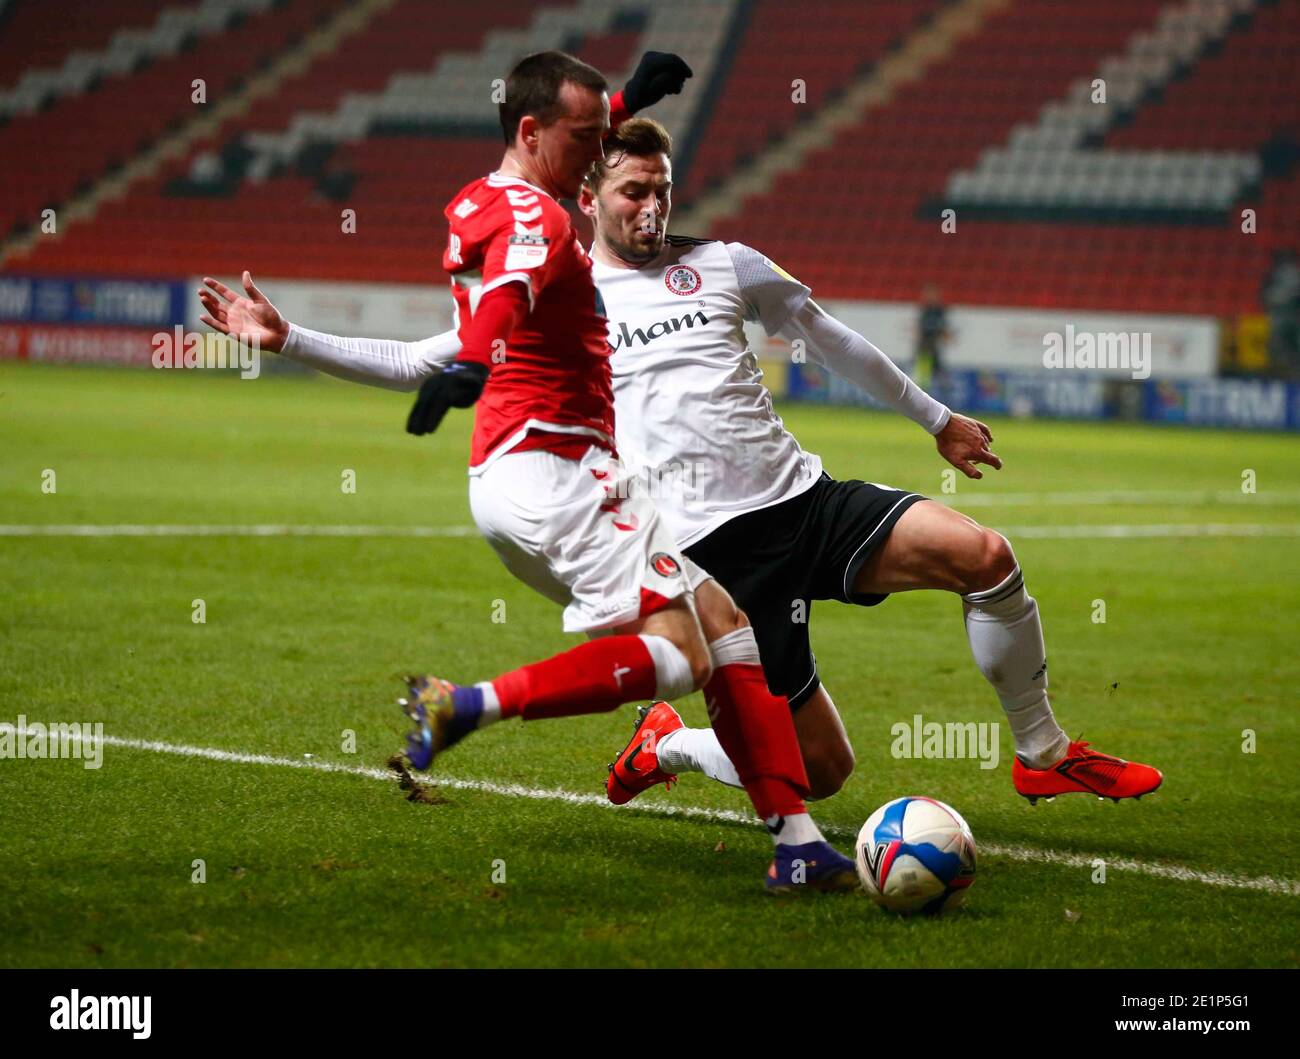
[{"x": 476, "y": 294}]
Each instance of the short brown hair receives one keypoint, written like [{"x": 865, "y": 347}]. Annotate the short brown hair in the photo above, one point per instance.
[
  {"x": 636, "y": 137},
  {"x": 533, "y": 87}
]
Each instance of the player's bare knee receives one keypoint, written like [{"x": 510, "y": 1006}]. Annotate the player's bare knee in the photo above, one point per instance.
[
  {"x": 718, "y": 612},
  {"x": 697, "y": 654},
  {"x": 841, "y": 764},
  {"x": 700, "y": 660},
  {"x": 679, "y": 625},
  {"x": 986, "y": 562},
  {"x": 829, "y": 766},
  {"x": 999, "y": 559},
  {"x": 823, "y": 780}
]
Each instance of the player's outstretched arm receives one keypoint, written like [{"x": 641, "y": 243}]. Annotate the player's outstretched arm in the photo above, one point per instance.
[
  {"x": 961, "y": 441},
  {"x": 849, "y": 355},
  {"x": 372, "y": 361},
  {"x": 784, "y": 307}
]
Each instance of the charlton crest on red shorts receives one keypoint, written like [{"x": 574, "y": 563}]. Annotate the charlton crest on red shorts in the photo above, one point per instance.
[{"x": 665, "y": 565}]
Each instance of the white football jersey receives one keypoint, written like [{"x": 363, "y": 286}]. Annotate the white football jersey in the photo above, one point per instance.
[{"x": 692, "y": 415}]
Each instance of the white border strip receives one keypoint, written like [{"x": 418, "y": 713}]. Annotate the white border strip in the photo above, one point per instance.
[{"x": 1266, "y": 884}]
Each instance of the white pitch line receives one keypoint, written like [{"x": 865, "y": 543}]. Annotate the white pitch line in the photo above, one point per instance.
[
  {"x": 1093, "y": 532},
  {"x": 1123, "y": 497},
  {"x": 1171, "y": 529},
  {"x": 1266, "y": 884}
]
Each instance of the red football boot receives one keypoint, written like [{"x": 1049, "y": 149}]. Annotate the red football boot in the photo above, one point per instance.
[
  {"x": 1085, "y": 771},
  {"x": 637, "y": 767}
]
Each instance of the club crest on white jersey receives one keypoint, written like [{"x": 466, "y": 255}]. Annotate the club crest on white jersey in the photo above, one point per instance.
[
  {"x": 683, "y": 280},
  {"x": 692, "y": 416}
]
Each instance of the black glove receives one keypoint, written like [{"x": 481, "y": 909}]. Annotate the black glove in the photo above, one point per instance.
[
  {"x": 458, "y": 385},
  {"x": 658, "y": 74}
]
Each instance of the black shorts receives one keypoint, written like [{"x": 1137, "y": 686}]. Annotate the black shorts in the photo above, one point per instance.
[{"x": 777, "y": 560}]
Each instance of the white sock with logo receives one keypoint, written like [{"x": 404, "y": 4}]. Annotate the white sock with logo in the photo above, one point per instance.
[
  {"x": 696, "y": 750},
  {"x": 1006, "y": 638},
  {"x": 794, "y": 830}
]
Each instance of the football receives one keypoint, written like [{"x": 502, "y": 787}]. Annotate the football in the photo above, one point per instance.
[{"x": 916, "y": 855}]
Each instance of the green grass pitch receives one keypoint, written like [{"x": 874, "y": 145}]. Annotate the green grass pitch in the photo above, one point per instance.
[{"x": 305, "y": 638}]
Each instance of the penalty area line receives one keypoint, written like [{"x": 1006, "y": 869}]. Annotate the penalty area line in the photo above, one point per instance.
[{"x": 1026, "y": 854}]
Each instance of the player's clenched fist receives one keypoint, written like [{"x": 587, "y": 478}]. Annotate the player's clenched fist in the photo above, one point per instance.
[
  {"x": 658, "y": 74},
  {"x": 458, "y": 385},
  {"x": 251, "y": 318}
]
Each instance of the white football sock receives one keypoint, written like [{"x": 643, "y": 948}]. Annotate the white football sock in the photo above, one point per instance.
[
  {"x": 793, "y": 830},
  {"x": 1006, "y": 638},
  {"x": 696, "y": 750},
  {"x": 673, "y": 677},
  {"x": 491, "y": 705}
]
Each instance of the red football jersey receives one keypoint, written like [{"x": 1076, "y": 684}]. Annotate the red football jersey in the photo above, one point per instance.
[{"x": 555, "y": 372}]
